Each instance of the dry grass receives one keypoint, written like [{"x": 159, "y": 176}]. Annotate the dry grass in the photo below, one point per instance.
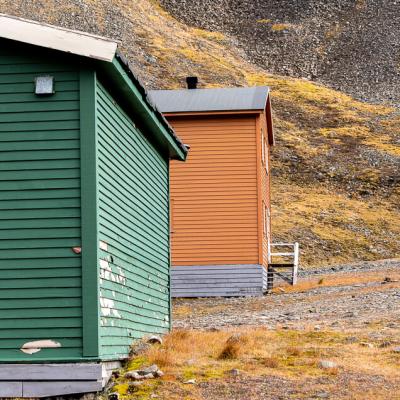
[
  {"x": 233, "y": 347},
  {"x": 264, "y": 21},
  {"x": 209, "y": 356},
  {"x": 280, "y": 27},
  {"x": 347, "y": 280},
  {"x": 230, "y": 351},
  {"x": 270, "y": 362}
]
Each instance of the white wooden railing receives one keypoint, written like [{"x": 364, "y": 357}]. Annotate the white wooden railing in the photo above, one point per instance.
[{"x": 292, "y": 253}]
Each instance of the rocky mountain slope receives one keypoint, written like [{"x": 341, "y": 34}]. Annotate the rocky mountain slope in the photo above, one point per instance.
[
  {"x": 350, "y": 45},
  {"x": 336, "y": 183}
]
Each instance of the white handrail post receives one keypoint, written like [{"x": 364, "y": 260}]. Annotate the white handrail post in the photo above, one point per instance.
[
  {"x": 269, "y": 253},
  {"x": 295, "y": 262}
]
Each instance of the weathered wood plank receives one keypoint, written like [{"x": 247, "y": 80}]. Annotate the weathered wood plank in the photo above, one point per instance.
[
  {"x": 10, "y": 389},
  {"x": 57, "y": 372},
  {"x": 217, "y": 294},
  {"x": 217, "y": 285},
  {"x": 47, "y": 389},
  {"x": 218, "y": 280},
  {"x": 217, "y": 266}
]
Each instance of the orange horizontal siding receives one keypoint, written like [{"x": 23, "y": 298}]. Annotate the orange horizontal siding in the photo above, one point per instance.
[
  {"x": 265, "y": 188},
  {"x": 214, "y": 193}
]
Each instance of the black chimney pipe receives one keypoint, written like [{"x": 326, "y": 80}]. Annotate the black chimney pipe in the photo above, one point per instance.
[{"x": 192, "y": 82}]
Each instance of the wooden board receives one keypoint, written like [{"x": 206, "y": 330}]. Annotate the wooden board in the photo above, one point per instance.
[
  {"x": 217, "y": 280},
  {"x": 44, "y": 380},
  {"x": 31, "y": 372},
  {"x": 55, "y": 388},
  {"x": 40, "y": 200},
  {"x": 10, "y": 389},
  {"x": 214, "y": 193}
]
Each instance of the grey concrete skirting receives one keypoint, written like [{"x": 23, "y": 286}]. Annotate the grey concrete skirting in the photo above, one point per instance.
[{"x": 218, "y": 280}]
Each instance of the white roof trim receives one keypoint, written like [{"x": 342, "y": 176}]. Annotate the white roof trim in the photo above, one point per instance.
[{"x": 52, "y": 37}]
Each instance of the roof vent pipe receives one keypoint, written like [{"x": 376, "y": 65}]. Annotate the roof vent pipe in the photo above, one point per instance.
[{"x": 192, "y": 82}]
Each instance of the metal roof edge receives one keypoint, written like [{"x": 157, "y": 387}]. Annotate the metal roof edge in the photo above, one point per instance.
[
  {"x": 180, "y": 149},
  {"x": 211, "y": 100},
  {"x": 265, "y": 93},
  {"x": 57, "y": 38}
]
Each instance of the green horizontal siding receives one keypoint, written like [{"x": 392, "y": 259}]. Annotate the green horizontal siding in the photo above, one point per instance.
[
  {"x": 134, "y": 222},
  {"x": 40, "y": 216}
]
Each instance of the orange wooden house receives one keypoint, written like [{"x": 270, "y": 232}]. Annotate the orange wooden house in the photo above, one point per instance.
[{"x": 220, "y": 198}]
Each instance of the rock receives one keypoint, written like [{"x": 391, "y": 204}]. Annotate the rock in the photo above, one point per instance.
[
  {"x": 366, "y": 344},
  {"x": 321, "y": 395},
  {"x": 317, "y": 328},
  {"x": 388, "y": 279},
  {"x": 234, "y": 372},
  {"x": 351, "y": 339},
  {"x": 133, "y": 375},
  {"x": 148, "y": 370},
  {"x": 158, "y": 374},
  {"x": 113, "y": 396},
  {"x": 154, "y": 339},
  {"x": 327, "y": 364},
  {"x": 190, "y": 382},
  {"x": 350, "y": 314},
  {"x": 385, "y": 344},
  {"x": 145, "y": 373},
  {"x": 396, "y": 350}
]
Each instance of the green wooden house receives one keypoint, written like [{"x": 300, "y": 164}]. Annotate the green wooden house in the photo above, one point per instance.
[{"x": 84, "y": 210}]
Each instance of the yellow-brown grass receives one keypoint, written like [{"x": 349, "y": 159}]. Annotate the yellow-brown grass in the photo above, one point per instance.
[
  {"x": 287, "y": 354},
  {"x": 347, "y": 279}
]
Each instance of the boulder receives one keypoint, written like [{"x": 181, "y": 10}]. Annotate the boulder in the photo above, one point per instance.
[
  {"x": 327, "y": 364},
  {"x": 154, "y": 340}
]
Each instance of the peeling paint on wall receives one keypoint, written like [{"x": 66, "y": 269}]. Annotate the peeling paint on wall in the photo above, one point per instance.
[
  {"x": 108, "y": 274},
  {"x": 103, "y": 245},
  {"x": 36, "y": 346},
  {"x": 108, "y": 308}
]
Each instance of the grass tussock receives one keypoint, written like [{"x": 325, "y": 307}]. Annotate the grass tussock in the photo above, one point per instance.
[
  {"x": 270, "y": 362},
  {"x": 233, "y": 347},
  {"x": 280, "y": 27}
]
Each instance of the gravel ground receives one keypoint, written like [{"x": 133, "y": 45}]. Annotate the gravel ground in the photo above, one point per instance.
[
  {"x": 380, "y": 265},
  {"x": 280, "y": 388},
  {"x": 366, "y": 299}
]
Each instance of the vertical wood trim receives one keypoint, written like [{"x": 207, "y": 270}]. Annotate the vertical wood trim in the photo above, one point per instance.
[
  {"x": 259, "y": 191},
  {"x": 269, "y": 191},
  {"x": 170, "y": 227},
  {"x": 89, "y": 205}
]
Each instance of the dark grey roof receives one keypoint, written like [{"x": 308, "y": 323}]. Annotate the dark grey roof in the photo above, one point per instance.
[{"x": 197, "y": 100}]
